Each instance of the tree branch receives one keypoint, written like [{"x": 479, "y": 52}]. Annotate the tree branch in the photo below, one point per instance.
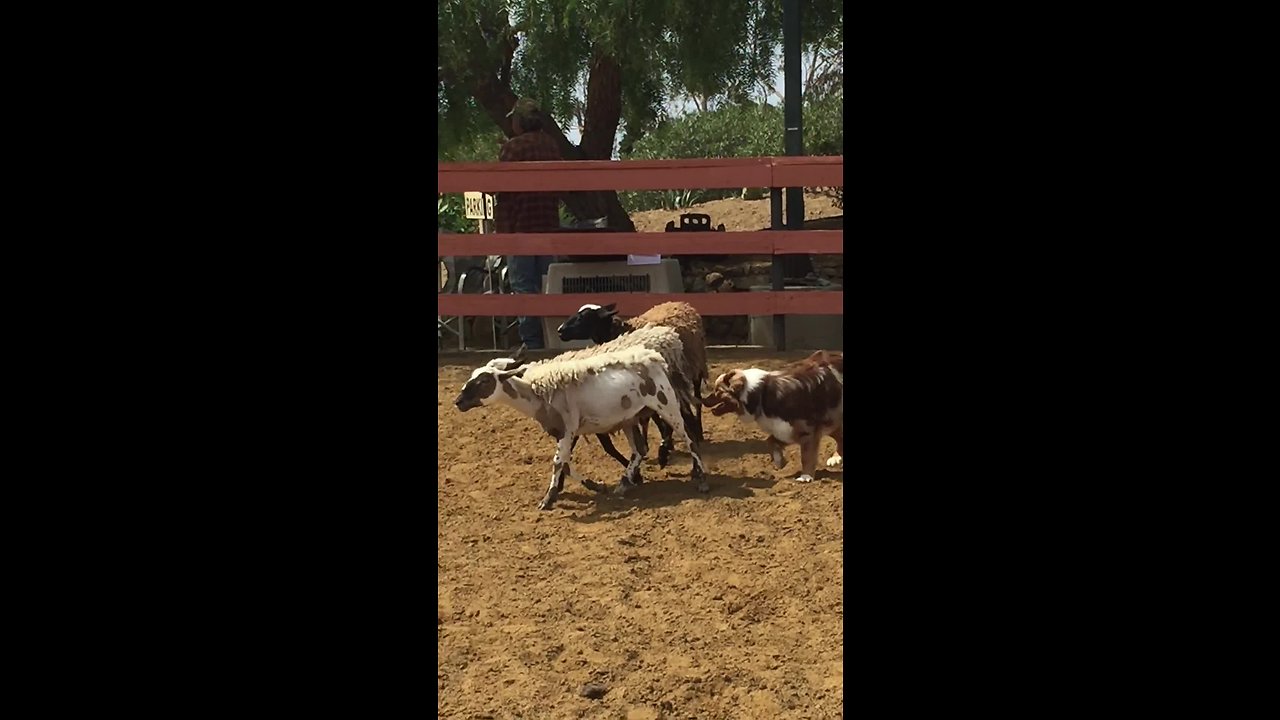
[
  {"x": 510, "y": 41},
  {"x": 813, "y": 67}
]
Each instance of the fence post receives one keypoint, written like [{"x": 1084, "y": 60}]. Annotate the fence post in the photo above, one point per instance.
[
  {"x": 793, "y": 108},
  {"x": 776, "y": 270}
]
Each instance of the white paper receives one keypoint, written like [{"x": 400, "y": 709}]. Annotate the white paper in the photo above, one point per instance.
[{"x": 644, "y": 259}]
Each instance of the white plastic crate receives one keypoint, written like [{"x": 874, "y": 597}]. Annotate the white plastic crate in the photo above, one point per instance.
[{"x": 591, "y": 279}]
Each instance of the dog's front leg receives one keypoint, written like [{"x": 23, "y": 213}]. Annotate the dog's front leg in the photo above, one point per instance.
[{"x": 808, "y": 457}]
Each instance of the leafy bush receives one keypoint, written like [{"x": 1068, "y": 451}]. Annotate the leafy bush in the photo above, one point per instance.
[
  {"x": 451, "y": 215},
  {"x": 824, "y": 134},
  {"x": 731, "y": 131},
  {"x": 479, "y": 143}
]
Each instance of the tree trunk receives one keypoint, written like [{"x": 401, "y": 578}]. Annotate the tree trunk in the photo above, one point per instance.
[{"x": 604, "y": 110}]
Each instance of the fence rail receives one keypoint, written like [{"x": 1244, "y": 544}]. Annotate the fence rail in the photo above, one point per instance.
[
  {"x": 577, "y": 175},
  {"x": 763, "y": 242},
  {"x": 640, "y": 174},
  {"x": 732, "y": 303}
]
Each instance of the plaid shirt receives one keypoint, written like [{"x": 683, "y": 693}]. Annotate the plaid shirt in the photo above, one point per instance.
[{"x": 527, "y": 211}]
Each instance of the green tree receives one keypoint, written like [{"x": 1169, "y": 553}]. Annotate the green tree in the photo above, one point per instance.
[
  {"x": 733, "y": 131},
  {"x": 626, "y": 58}
]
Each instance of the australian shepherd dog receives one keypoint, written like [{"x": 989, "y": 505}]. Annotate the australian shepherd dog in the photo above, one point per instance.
[{"x": 796, "y": 405}]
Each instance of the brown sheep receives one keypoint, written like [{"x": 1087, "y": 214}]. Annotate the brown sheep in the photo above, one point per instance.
[{"x": 602, "y": 324}]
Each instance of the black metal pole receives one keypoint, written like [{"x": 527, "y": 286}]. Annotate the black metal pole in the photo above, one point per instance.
[
  {"x": 792, "y": 104},
  {"x": 776, "y": 270},
  {"x": 794, "y": 266}
]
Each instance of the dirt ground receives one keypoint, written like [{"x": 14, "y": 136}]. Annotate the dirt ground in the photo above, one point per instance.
[
  {"x": 676, "y": 603},
  {"x": 738, "y": 215}
]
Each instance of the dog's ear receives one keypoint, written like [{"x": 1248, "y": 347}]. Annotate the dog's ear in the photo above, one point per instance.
[
  {"x": 519, "y": 356},
  {"x": 722, "y": 402},
  {"x": 726, "y": 380},
  {"x": 737, "y": 382},
  {"x": 718, "y": 395}
]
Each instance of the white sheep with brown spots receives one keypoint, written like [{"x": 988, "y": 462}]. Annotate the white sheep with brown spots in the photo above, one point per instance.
[
  {"x": 599, "y": 394},
  {"x": 667, "y": 342}
]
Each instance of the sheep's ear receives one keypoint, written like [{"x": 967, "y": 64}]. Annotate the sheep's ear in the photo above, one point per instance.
[
  {"x": 519, "y": 356},
  {"x": 609, "y": 309},
  {"x": 518, "y": 372}
]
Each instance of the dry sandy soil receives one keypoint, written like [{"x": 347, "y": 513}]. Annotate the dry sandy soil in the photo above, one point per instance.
[
  {"x": 679, "y": 604},
  {"x": 737, "y": 215}
]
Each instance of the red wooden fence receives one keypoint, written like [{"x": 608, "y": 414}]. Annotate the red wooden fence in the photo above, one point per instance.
[{"x": 771, "y": 172}]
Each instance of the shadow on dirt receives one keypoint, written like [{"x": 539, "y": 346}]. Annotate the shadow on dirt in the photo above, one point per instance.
[
  {"x": 665, "y": 493},
  {"x": 714, "y": 450}
]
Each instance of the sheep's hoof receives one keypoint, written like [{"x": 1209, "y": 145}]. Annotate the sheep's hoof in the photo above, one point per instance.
[
  {"x": 664, "y": 456},
  {"x": 779, "y": 461},
  {"x": 546, "y": 504},
  {"x": 593, "y": 486},
  {"x": 621, "y": 489},
  {"x": 704, "y": 487},
  {"x": 805, "y": 478}
]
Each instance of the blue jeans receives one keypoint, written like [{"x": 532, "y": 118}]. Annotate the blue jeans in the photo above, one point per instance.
[{"x": 525, "y": 273}]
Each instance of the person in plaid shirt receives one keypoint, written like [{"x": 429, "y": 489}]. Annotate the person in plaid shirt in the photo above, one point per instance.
[{"x": 522, "y": 212}]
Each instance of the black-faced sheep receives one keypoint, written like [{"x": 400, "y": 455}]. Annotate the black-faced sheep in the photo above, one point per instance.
[
  {"x": 602, "y": 325},
  {"x": 600, "y": 394}
]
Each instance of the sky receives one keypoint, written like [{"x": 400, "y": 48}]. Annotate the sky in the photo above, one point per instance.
[{"x": 675, "y": 108}]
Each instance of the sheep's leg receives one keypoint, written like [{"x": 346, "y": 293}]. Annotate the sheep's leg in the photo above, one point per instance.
[
  {"x": 607, "y": 443},
  {"x": 639, "y": 442},
  {"x": 559, "y": 469},
  {"x": 591, "y": 485},
  {"x": 686, "y": 397},
  {"x": 673, "y": 414},
  {"x": 639, "y": 448},
  {"x": 692, "y": 429},
  {"x": 664, "y": 450}
]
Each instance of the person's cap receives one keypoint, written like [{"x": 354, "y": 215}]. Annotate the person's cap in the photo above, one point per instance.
[{"x": 524, "y": 108}]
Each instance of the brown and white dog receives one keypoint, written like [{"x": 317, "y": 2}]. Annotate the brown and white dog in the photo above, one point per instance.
[{"x": 796, "y": 405}]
